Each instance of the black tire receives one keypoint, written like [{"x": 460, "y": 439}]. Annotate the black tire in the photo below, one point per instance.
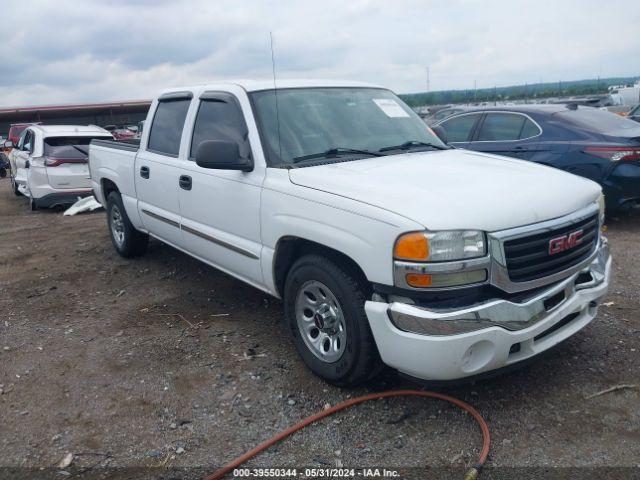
[
  {"x": 127, "y": 241},
  {"x": 359, "y": 360},
  {"x": 33, "y": 205},
  {"x": 3, "y": 172}
]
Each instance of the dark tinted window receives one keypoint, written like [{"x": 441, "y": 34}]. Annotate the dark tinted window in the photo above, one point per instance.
[
  {"x": 220, "y": 118},
  {"x": 166, "y": 129},
  {"x": 501, "y": 126},
  {"x": 23, "y": 135},
  {"x": 69, "y": 147},
  {"x": 28, "y": 141},
  {"x": 459, "y": 128},
  {"x": 529, "y": 129}
]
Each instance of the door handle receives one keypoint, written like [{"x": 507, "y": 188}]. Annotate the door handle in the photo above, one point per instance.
[
  {"x": 185, "y": 182},
  {"x": 144, "y": 172},
  {"x": 520, "y": 149}
]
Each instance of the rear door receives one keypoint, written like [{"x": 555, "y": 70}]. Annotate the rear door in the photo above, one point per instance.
[
  {"x": 460, "y": 128},
  {"x": 157, "y": 169},
  {"x": 506, "y": 133},
  {"x": 221, "y": 208}
]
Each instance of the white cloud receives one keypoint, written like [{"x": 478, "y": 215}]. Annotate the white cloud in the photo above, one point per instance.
[{"x": 104, "y": 50}]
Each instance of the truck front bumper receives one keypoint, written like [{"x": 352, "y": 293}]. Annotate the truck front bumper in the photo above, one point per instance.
[{"x": 432, "y": 344}]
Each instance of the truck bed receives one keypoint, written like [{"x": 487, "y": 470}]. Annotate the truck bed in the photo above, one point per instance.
[{"x": 113, "y": 160}]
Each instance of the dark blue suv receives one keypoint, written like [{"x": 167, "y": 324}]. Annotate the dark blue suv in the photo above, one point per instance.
[{"x": 593, "y": 143}]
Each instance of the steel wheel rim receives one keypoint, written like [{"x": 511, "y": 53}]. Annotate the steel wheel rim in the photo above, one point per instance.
[
  {"x": 117, "y": 225},
  {"x": 321, "y": 321}
]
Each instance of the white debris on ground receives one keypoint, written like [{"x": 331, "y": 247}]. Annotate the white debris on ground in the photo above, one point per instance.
[{"x": 87, "y": 204}]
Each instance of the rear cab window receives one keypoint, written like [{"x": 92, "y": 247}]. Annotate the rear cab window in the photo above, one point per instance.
[{"x": 168, "y": 123}]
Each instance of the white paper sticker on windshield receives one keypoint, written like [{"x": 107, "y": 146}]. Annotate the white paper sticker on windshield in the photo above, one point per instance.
[{"x": 390, "y": 107}]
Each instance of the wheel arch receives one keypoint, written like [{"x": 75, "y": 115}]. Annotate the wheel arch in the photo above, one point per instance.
[
  {"x": 108, "y": 186},
  {"x": 290, "y": 248}
]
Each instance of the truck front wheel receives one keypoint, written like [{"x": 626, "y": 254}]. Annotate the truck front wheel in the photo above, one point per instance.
[
  {"x": 127, "y": 241},
  {"x": 324, "y": 310}
]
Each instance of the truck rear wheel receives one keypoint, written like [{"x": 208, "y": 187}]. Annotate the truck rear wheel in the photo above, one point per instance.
[
  {"x": 324, "y": 311},
  {"x": 127, "y": 241}
]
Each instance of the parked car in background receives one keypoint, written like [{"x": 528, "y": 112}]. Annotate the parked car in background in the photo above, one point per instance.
[
  {"x": 49, "y": 165},
  {"x": 122, "y": 132},
  {"x": 15, "y": 130},
  {"x": 634, "y": 113},
  {"x": 586, "y": 141},
  {"x": 4, "y": 165},
  {"x": 386, "y": 245},
  {"x": 444, "y": 113}
]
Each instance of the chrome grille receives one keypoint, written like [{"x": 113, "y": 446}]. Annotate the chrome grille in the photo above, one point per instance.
[{"x": 528, "y": 257}]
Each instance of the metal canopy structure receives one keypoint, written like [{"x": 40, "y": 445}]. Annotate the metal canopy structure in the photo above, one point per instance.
[{"x": 109, "y": 113}]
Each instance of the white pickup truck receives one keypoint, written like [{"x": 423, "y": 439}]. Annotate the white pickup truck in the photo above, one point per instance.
[{"x": 386, "y": 245}]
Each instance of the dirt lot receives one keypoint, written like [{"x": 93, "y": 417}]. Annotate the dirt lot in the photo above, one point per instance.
[{"x": 163, "y": 362}]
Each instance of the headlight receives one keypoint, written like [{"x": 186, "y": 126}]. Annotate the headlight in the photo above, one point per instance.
[
  {"x": 440, "y": 246},
  {"x": 601, "y": 207}
]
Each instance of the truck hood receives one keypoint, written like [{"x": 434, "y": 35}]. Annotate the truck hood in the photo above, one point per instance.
[{"x": 455, "y": 189}]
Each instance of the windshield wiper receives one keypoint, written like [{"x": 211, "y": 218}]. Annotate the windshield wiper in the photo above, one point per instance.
[
  {"x": 81, "y": 150},
  {"x": 334, "y": 152},
  {"x": 412, "y": 144}
]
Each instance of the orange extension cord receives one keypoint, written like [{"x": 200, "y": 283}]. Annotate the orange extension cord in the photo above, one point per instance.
[{"x": 471, "y": 474}]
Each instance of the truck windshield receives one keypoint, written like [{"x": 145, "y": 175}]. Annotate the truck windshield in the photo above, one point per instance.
[
  {"x": 69, "y": 147},
  {"x": 315, "y": 123}
]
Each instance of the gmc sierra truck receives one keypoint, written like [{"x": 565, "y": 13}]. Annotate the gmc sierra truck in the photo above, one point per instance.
[{"x": 386, "y": 245}]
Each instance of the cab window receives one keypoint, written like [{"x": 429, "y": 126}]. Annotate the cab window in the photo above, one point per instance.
[
  {"x": 167, "y": 126},
  {"x": 219, "y": 118}
]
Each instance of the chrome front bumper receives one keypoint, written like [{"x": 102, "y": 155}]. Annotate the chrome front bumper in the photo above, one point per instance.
[
  {"x": 437, "y": 344},
  {"x": 502, "y": 313}
]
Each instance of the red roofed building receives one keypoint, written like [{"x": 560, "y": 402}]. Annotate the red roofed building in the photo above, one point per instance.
[{"x": 102, "y": 114}]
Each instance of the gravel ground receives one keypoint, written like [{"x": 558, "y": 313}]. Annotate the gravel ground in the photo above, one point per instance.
[{"x": 166, "y": 368}]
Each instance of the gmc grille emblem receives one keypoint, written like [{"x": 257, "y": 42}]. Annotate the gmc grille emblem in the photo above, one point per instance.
[{"x": 565, "y": 242}]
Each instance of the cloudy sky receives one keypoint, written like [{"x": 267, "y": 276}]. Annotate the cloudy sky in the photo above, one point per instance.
[{"x": 64, "y": 51}]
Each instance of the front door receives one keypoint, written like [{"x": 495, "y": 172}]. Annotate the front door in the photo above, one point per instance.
[{"x": 221, "y": 208}]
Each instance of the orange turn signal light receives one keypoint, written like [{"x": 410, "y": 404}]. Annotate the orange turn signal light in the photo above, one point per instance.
[
  {"x": 418, "y": 280},
  {"x": 412, "y": 246}
]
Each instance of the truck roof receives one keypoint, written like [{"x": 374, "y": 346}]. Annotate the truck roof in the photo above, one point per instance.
[
  {"x": 267, "y": 84},
  {"x": 69, "y": 130}
]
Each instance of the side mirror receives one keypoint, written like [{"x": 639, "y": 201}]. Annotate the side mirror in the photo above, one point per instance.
[
  {"x": 221, "y": 155},
  {"x": 440, "y": 132},
  {"x": 8, "y": 144}
]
